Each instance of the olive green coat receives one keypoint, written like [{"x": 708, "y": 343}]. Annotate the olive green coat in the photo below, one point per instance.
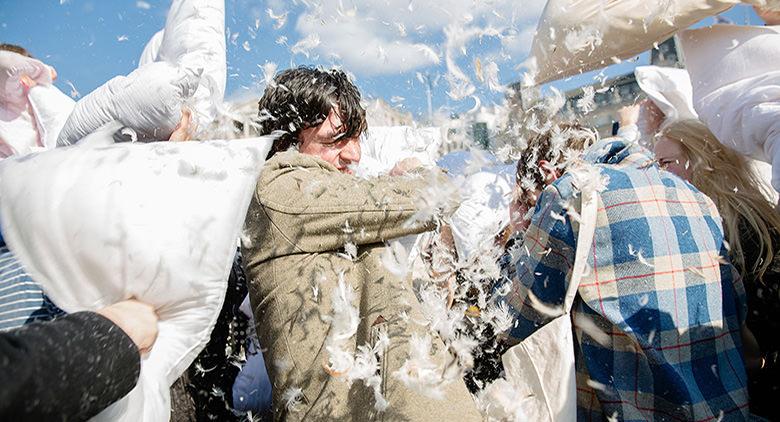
[{"x": 303, "y": 213}]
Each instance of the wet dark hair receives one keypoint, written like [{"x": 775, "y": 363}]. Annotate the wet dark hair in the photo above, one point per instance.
[
  {"x": 301, "y": 98},
  {"x": 15, "y": 49}
]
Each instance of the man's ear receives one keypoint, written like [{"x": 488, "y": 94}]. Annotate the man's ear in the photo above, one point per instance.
[{"x": 549, "y": 173}]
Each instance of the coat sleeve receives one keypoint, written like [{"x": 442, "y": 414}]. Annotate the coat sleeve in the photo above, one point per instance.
[
  {"x": 67, "y": 369},
  {"x": 542, "y": 267},
  {"x": 317, "y": 210}
]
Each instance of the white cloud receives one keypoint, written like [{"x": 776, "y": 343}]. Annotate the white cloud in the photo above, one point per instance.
[
  {"x": 361, "y": 48},
  {"x": 374, "y": 37}
]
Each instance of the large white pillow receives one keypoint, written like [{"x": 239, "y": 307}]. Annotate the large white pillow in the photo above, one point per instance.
[
  {"x": 736, "y": 87},
  {"x": 158, "y": 222},
  {"x": 576, "y": 36},
  {"x": 184, "y": 66}
]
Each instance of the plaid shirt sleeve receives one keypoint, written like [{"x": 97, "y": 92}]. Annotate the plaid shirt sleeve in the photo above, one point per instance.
[{"x": 541, "y": 266}]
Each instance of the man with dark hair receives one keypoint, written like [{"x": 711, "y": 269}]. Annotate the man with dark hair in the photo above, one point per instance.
[
  {"x": 337, "y": 324},
  {"x": 302, "y": 98}
]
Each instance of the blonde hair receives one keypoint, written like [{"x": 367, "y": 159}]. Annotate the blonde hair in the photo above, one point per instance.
[{"x": 726, "y": 177}]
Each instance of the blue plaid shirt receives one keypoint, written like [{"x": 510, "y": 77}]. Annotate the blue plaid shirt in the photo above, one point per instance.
[{"x": 658, "y": 313}]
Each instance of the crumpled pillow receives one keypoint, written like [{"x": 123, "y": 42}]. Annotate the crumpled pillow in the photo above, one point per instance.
[
  {"x": 158, "y": 222},
  {"x": 149, "y": 100},
  {"x": 486, "y": 187},
  {"x": 185, "y": 66},
  {"x": 384, "y": 146},
  {"x": 670, "y": 89},
  {"x": 577, "y": 36},
  {"x": 736, "y": 87}
]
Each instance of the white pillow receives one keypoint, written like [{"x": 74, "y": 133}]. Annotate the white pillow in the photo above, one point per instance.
[
  {"x": 194, "y": 39},
  {"x": 152, "y": 49},
  {"x": 158, "y": 222},
  {"x": 736, "y": 87},
  {"x": 149, "y": 100},
  {"x": 486, "y": 186},
  {"x": 189, "y": 68},
  {"x": 576, "y": 36},
  {"x": 384, "y": 146},
  {"x": 484, "y": 211},
  {"x": 670, "y": 89}
]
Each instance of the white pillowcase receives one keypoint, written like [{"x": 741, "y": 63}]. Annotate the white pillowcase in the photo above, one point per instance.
[
  {"x": 158, "y": 222},
  {"x": 486, "y": 187},
  {"x": 576, "y": 36},
  {"x": 148, "y": 100}
]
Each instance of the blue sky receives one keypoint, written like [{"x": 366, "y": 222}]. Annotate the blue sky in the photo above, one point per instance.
[{"x": 383, "y": 43}]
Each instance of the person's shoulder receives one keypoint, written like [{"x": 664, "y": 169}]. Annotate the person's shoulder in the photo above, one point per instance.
[
  {"x": 290, "y": 177},
  {"x": 292, "y": 164},
  {"x": 293, "y": 159}
]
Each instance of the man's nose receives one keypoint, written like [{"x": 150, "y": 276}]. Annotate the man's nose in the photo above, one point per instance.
[{"x": 351, "y": 151}]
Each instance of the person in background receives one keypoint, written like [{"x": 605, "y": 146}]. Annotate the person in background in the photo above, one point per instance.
[
  {"x": 752, "y": 228},
  {"x": 659, "y": 310},
  {"x": 76, "y": 366}
]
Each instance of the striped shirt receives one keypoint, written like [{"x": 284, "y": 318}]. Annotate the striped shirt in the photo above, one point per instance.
[{"x": 21, "y": 299}]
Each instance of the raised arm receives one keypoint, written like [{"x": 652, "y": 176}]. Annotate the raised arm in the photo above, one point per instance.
[
  {"x": 317, "y": 210},
  {"x": 542, "y": 266}
]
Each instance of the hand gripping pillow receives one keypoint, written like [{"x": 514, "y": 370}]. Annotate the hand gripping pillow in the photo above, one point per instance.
[
  {"x": 183, "y": 65},
  {"x": 384, "y": 146},
  {"x": 158, "y": 222},
  {"x": 29, "y": 120},
  {"x": 670, "y": 89},
  {"x": 736, "y": 87},
  {"x": 576, "y": 36},
  {"x": 12, "y": 67}
]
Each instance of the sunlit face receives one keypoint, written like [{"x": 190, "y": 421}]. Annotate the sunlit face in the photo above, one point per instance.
[
  {"x": 670, "y": 156},
  {"x": 324, "y": 141}
]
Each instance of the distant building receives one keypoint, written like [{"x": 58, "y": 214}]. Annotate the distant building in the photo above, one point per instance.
[
  {"x": 620, "y": 91},
  {"x": 611, "y": 95}
]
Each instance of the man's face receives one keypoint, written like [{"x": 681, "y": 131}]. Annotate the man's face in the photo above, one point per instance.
[
  {"x": 324, "y": 141},
  {"x": 671, "y": 157}
]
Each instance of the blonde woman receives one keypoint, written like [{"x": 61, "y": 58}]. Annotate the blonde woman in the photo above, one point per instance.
[{"x": 752, "y": 227}]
